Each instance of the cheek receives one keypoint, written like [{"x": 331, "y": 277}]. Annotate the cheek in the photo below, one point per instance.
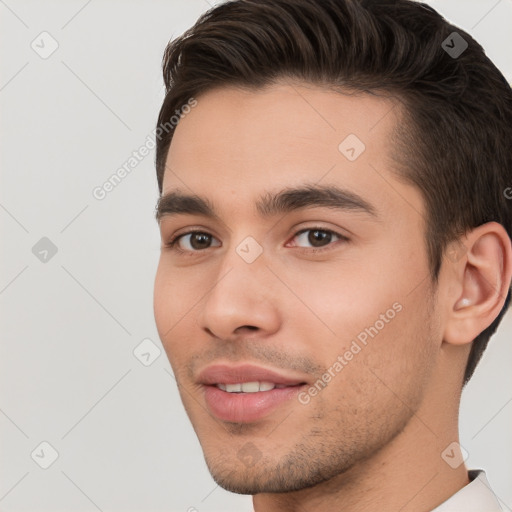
[
  {"x": 342, "y": 298},
  {"x": 378, "y": 370},
  {"x": 172, "y": 300},
  {"x": 376, "y": 300},
  {"x": 162, "y": 300}
]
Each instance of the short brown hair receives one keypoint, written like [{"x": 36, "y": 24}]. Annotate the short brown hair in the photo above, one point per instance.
[{"x": 456, "y": 142}]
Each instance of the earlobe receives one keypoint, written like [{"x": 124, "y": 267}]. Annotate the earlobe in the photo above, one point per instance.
[{"x": 483, "y": 275}]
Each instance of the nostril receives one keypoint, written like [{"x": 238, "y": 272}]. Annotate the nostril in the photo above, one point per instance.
[{"x": 248, "y": 327}]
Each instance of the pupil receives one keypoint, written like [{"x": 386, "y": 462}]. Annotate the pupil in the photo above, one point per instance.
[
  {"x": 316, "y": 237},
  {"x": 200, "y": 240}
]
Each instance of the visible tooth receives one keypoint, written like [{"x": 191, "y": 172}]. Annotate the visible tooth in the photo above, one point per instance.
[{"x": 250, "y": 387}]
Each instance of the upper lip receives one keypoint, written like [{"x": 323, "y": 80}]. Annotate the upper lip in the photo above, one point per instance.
[{"x": 225, "y": 374}]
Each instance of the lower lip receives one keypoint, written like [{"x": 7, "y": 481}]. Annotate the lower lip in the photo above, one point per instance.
[{"x": 247, "y": 407}]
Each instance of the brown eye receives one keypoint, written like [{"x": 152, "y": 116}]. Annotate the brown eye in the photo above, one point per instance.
[
  {"x": 316, "y": 237},
  {"x": 194, "y": 241},
  {"x": 200, "y": 240}
]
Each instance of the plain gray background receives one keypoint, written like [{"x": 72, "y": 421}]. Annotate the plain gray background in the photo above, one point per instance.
[{"x": 72, "y": 320}]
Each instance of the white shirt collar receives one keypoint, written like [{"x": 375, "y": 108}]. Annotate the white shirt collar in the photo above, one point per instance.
[{"x": 477, "y": 496}]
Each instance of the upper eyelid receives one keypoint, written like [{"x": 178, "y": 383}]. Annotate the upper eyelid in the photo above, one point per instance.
[{"x": 318, "y": 228}]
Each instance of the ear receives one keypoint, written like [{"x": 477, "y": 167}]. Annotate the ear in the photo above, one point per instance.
[{"x": 480, "y": 282}]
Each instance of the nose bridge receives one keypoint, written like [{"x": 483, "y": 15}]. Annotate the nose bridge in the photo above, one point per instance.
[
  {"x": 240, "y": 295},
  {"x": 243, "y": 266}
]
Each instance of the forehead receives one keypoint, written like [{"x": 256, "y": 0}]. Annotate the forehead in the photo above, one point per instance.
[{"x": 240, "y": 143}]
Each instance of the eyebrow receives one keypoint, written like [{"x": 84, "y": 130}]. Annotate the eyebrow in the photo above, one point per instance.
[{"x": 270, "y": 204}]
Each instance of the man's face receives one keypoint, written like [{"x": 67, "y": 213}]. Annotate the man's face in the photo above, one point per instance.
[{"x": 329, "y": 300}]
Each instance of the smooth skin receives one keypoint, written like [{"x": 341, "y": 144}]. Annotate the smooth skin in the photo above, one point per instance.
[{"x": 372, "y": 439}]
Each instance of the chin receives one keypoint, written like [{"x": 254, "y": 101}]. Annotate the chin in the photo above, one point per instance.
[{"x": 288, "y": 475}]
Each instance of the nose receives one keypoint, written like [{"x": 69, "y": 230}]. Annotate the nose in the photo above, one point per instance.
[{"x": 242, "y": 301}]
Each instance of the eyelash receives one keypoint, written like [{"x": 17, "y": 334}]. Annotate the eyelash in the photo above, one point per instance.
[{"x": 173, "y": 243}]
